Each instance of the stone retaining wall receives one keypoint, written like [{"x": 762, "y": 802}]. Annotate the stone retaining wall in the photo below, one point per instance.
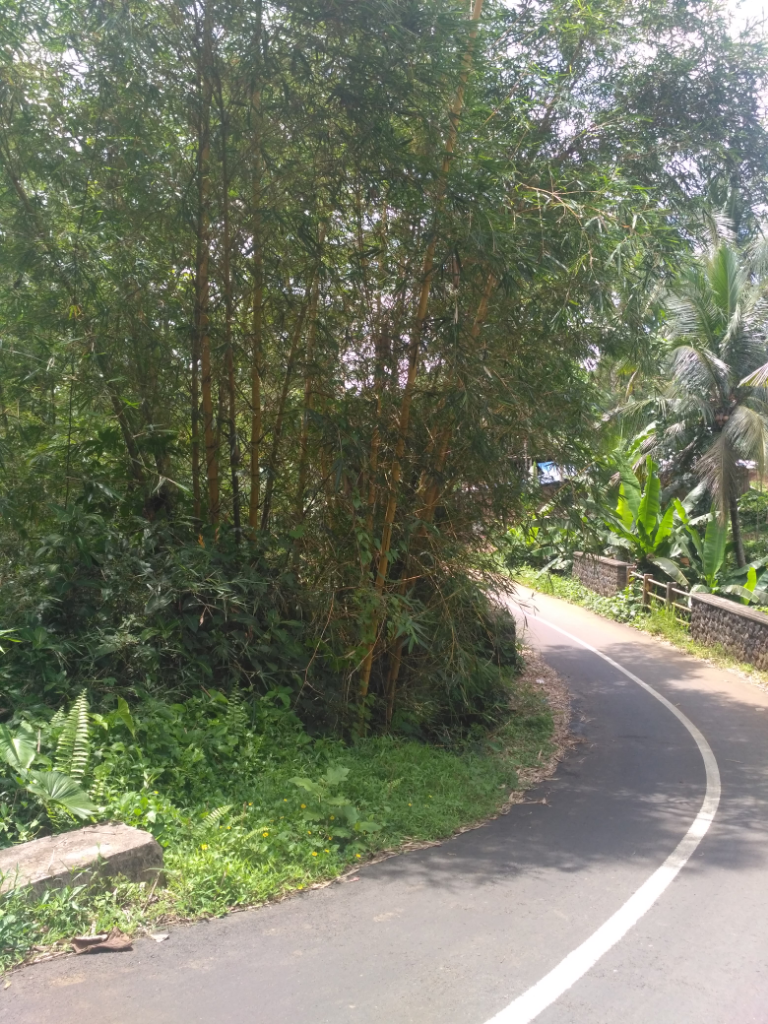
[
  {"x": 605, "y": 576},
  {"x": 741, "y": 630}
]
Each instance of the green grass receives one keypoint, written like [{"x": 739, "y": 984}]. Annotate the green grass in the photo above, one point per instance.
[
  {"x": 623, "y": 607},
  {"x": 248, "y": 810},
  {"x": 627, "y": 607}
]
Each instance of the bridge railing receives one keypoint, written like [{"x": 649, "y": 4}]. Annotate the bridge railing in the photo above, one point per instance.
[{"x": 666, "y": 594}]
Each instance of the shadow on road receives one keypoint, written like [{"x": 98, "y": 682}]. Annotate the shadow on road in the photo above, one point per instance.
[{"x": 628, "y": 791}]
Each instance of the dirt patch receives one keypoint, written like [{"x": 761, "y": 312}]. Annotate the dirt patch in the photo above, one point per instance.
[{"x": 539, "y": 676}]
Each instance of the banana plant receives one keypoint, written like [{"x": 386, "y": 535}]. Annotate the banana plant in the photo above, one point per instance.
[
  {"x": 49, "y": 787},
  {"x": 747, "y": 585},
  {"x": 641, "y": 525},
  {"x": 707, "y": 556}
]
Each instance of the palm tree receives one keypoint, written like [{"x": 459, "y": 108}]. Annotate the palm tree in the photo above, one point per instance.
[{"x": 714, "y": 413}]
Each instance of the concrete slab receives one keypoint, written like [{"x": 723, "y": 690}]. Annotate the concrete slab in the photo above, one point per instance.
[{"x": 76, "y": 857}]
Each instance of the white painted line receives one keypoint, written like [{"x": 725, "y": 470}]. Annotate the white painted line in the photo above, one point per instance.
[{"x": 530, "y": 1004}]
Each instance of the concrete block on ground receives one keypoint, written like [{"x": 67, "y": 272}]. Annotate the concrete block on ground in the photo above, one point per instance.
[{"x": 74, "y": 858}]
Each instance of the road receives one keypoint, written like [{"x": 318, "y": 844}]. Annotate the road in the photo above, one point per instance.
[{"x": 456, "y": 933}]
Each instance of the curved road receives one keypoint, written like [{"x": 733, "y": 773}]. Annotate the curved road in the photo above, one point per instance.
[{"x": 457, "y": 933}]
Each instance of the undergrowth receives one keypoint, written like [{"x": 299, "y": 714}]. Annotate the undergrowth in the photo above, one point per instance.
[
  {"x": 626, "y": 606},
  {"x": 248, "y": 806},
  {"x": 141, "y": 610},
  {"x": 187, "y": 685}
]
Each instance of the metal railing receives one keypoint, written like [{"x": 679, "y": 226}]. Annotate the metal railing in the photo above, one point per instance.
[{"x": 662, "y": 593}]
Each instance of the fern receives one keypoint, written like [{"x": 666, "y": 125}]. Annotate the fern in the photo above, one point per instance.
[
  {"x": 210, "y": 823},
  {"x": 100, "y": 780},
  {"x": 74, "y": 746},
  {"x": 236, "y": 717},
  {"x": 57, "y": 723}
]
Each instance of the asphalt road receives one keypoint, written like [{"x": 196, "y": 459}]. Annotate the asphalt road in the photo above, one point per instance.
[{"x": 455, "y": 933}]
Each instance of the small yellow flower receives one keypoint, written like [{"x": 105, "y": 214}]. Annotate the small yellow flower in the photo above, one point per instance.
[
  {"x": 303, "y": 806},
  {"x": 301, "y": 886},
  {"x": 204, "y": 846},
  {"x": 333, "y": 818},
  {"x": 430, "y": 797},
  {"x": 265, "y": 834},
  {"x": 154, "y": 791},
  {"x": 326, "y": 851},
  {"x": 250, "y": 804},
  {"x": 309, "y": 833},
  {"x": 410, "y": 805},
  {"x": 314, "y": 854},
  {"x": 357, "y": 855},
  {"x": 285, "y": 799}
]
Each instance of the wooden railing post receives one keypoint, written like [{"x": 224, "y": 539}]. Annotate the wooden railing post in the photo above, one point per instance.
[
  {"x": 647, "y": 577},
  {"x": 670, "y": 596}
]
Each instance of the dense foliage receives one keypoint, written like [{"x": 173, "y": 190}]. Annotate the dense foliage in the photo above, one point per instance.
[
  {"x": 293, "y": 299},
  {"x": 245, "y": 804},
  {"x": 290, "y": 293}
]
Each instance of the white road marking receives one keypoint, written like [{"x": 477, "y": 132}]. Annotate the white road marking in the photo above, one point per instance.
[{"x": 530, "y": 1004}]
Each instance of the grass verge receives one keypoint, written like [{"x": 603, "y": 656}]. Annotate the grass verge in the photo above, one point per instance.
[
  {"x": 627, "y": 607},
  {"x": 273, "y": 812}
]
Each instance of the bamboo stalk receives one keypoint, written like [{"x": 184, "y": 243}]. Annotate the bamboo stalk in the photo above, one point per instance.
[
  {"x": 417, "y": 329},
  {"x": 427, "y": 512},
  {"x": 258, "y": 289},
  {"x": 421, "y": 315},
  {"x": 195, "y": 428},
  {"x": 308, "y": 390},
  {"x": 4, "y": 411},
  {"x": 432, "y": 495},
  {"x": 277, "y": 430},
  {"x": 202, "y": 277},
  {"x": 381, "y": 352},
  {"x": 138, "y": 469},
  {"x": 234, "y": 448}
]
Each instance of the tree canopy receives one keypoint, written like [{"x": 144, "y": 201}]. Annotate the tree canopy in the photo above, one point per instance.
[{"x": 290, "y": 292}]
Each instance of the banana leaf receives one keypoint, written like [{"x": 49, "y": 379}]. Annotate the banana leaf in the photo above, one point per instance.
[{"x": 672, "y": 569}]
